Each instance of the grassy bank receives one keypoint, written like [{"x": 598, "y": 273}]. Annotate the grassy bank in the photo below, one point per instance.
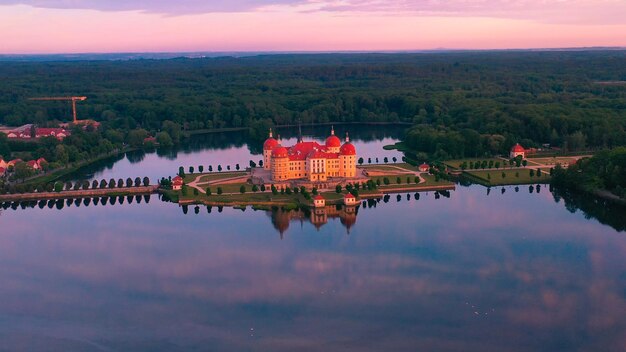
[{"x": 511, "y": 177}]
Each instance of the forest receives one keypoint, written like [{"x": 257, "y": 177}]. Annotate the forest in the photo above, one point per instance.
[
  {"x": 462, "y": 104},
  {"x": 604, "y": 172}
]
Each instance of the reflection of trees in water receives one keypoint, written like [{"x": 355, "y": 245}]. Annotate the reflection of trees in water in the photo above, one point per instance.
[
  {"x": 136, "y": 156},
  {"x": 605, "y": 211},
  {"x": 76, "y": 202},
  {"x": 87, "y": 172}
]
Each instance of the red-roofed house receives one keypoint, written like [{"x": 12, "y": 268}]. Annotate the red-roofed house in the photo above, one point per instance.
[
  {"x": 349, "y": 199},
  {"x": 319, "y": 201},
  {"x": 33, "y": 164},
  {"x": 177, "y": 183},
  {"x": 2, "y": 171},
  {"x": 58, "y": 133},
  {"x": 3, "y": 164},
  {"x": 516, "y": 151},
  {"x": 14, "y": 161},
  {"x": 424, "y": 167}
]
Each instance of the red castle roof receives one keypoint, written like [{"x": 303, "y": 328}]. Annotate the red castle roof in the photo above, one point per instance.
[
  {"x": 333, "y": 142},
  {"x": 318, "y": 197},
  {"x": 177, "y": 180},
  {"x": 518, "y": 149},
  {"x": 349, "y": 196},
  {"x": 348, "y": 149},
  {"x": 280, "y": 152},
  {"x": 270, "y": 144}
]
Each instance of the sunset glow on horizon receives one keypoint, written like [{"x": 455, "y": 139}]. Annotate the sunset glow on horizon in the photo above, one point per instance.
[{"x": 32, "y": 27}]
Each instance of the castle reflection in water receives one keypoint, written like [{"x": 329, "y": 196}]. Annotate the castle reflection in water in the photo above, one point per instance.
[{"x": 318, "y": 217}]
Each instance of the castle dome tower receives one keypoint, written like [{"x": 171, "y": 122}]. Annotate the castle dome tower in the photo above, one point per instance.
[{"x": 268, "y": 146}]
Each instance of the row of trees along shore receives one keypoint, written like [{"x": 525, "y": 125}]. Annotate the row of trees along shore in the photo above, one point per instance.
[
  {"x": 75, "y": 186},
  {"x": 462, "y": 104}
]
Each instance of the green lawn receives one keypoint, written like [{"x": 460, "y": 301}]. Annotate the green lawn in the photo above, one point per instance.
[
  {"x": 510, "y": 178},
  {"x": 457, "y": 163}
]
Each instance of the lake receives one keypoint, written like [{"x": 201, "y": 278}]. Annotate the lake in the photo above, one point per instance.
[{"x": 472, "y": 270}]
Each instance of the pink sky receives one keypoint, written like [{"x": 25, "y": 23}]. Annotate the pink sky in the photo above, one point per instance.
[{"x": 59, "y": 26}]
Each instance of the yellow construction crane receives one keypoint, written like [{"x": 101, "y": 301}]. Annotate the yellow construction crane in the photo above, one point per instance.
[{"x": 72, "y": 99}]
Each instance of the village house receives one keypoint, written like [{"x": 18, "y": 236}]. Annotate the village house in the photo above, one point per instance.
[
  {"x": 424, "y": 167},
  {"x": 349, "y": 199},
  {"x": 516, "y": 151}
]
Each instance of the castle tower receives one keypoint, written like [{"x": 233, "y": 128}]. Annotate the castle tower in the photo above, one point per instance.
[{"x": 268, "y": 146}]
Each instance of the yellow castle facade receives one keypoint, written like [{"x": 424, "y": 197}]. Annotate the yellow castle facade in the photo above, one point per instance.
[{"x": 310, "y": 161}]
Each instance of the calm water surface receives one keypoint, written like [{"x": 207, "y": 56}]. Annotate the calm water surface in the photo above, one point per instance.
[
  {"x": 473, "y": 272},
  {"x": 233, "y": 148},
  {"x": 478, "y": 271}
]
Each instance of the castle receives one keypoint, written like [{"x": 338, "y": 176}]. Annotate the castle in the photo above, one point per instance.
[{"x": 310, "y": 161}]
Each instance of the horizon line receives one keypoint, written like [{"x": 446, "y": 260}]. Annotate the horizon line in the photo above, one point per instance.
[{"x": 279, "y": 52}]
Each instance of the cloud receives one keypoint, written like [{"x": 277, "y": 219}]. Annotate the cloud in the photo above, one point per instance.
[
  {"x": 179, "y": 7},
  {"x": 547, "y": 11}
]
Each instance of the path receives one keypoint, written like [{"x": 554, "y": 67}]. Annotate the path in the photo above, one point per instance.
[{"x": 196, "y": 182}]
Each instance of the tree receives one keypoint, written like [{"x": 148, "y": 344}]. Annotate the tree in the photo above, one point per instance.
[
  {"x": 196, "y": 192},
  {"x": 201, "y": 169},
  {"x": 274, "y": 190},
  {"x": 260, "y": 163},
  {"x": 532, "y": 173},
  {"x": 136, "y": 137},
  {"x": 164, "y": 139},
  {"x": 191, "y": 169},
  {"x": 252, "y": 164},
  {"x": 58, "y": 187},
  {"x": 137, "y": 181},
  {"x": 398, "y": 180},
  {"x": 369, "y": 160},
  {"x": 185, "y": 190},
  {"x": 538, "y": 172},
  {"x": 255, "y": 188},
  {"x": 408, "y": 180},
  {"x": 386, "y": 181},
  {"x": 228, "y": 167},
  {"x": 208, "y": 191},
  {"x": 338, "y": 188},
  {"x": 22, "y": 171},
  {"x": 288, "y": 190},
  {"x": 103, "y": 184},
  {"x": 94, "y": 184},
  {"x": 219, "y": 190},
  {"x": 181, "y": 171},
  {"x": 503, "y": 175},
  {"x": 111, "y": 183},
  {"x": 129, "y": 182},
  {"x": 219, "y": 168},
  {"x": 386, "y": 160},
  {"x": 394, "y": 159},
  {"x": 146, "y": 181},
  {"x": 263, "y": 188},
  {"x": 120, "y": 183},
  {"x": 242, "y": 189},
  {"x": 68, "y": 185},
  {"x": 314, "y": 191},
  {"x": 360, "y": 161},
  {"x": 497, "y": 164},
  {"x": 416, "y": 179},
  {"x": 525, "y": 162}
]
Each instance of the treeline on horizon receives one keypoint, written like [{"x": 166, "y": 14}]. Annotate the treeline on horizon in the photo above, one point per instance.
[{"x": 463, "y": 104}]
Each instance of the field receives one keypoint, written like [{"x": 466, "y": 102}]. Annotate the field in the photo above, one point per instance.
[
  {"x": 457, "y": 163},
  {"x": 552, "y": 161},
  {"x": 214, "y": 176},
  {"x": 494, "y": 177}
]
